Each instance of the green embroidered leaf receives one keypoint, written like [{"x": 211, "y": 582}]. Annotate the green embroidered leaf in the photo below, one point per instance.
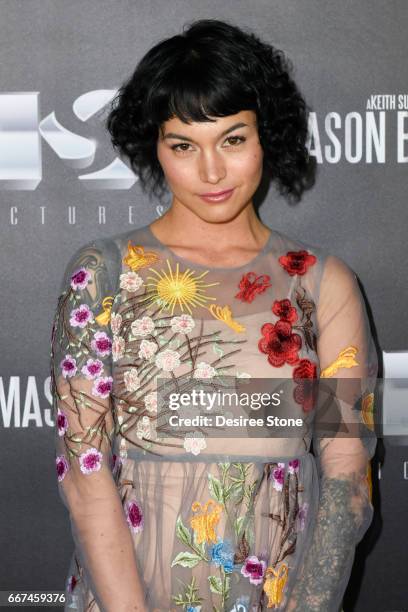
[
  {"x": 215, "y": 584},
  {"x": 215, "y": 488},
  {"x": 182, "y": 532},
  {"x": 217, "y": 349},
  {"x": 238, "y": 525},
  {"x": 186, "y": 559}
]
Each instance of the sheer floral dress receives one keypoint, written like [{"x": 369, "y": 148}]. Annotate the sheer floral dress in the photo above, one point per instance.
[{"x": 209, "y": 523}]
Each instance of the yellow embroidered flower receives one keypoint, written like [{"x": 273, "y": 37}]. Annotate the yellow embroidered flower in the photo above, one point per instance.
[
  {"x": 173, "y": 288},
  {"x": 274, "y": 584},
  {"x": 367, "y": 410},
  {"x": 204, "y": 523},
  {"x": 104, "y": 317},
  {"x": 137, "y": 257},
  {"x": 345, "y": 359},
  {"x": 225, "y": 315}
]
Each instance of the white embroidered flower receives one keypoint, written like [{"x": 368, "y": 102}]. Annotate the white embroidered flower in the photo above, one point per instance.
[
  {"x": 143, "y": 326},
  {"x": 144, "y": 428},
  {"x": 116, "y": 322},
  {"x": 131, "y": 281},
  {"x": 131, "y": 379},
  {"x": 182, "y": 324},
  {"x": 118, "y": 347},
  {"x": 151, "y": 401},
  {"x": 167, "y": 360},
  {"x": 204, "y": 370},
  {"x": 147, "y": 349},
  {"x": 194, "y": 444}
]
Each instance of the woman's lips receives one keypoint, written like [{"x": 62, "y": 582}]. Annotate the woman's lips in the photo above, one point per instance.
[{"x": 220, "y": 196}]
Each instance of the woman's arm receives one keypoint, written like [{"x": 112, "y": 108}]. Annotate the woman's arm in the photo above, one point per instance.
[
  {"x": 343, "y": 442},
  {"x": 81, "y": 378}
]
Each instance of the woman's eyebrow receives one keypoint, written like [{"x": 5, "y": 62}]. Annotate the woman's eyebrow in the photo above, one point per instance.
[{"x": 181, "y": 137}]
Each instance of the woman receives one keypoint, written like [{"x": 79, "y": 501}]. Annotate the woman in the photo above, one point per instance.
[{"x": 208, "y": 297}]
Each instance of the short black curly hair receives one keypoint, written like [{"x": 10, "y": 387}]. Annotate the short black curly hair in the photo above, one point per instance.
[{"x": 212, "y": 69}]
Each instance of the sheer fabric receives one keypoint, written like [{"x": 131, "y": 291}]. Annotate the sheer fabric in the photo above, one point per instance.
[{"x": 202, "y": 523}]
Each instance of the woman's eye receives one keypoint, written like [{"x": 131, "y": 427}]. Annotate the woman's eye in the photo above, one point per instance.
[
  {"x": 179, "y": 147},
  {"x": 236, "y": 140}
]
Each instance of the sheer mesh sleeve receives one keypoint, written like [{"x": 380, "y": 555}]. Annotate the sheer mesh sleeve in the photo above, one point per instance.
[
  {"x": 344, "y": 439},
  {"x": 84, "y": 429}
]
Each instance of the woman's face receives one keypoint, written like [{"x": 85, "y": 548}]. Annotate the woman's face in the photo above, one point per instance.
[{"x": 211, "y": 157}]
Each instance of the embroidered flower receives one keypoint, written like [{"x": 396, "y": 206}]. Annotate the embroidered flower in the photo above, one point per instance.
[
  {"x": 297, "y": 262},
  {"x": 278, "y": 476},
  {"x": 280, "y": 343},
  {"x": 301, "y": 517},
  {"x": 92, "y": 369},
  {"x": 90, "y": 461},
  {"x": 62, "y": 466},
  {"x": 131, "y": 380},
  {"x": 168, "y": 360},
  {"x": 143, "y": 326},
  {"x": 305, "y": 393},
  {"x": 68, "y": 366},
  {"x": 254, "y": 569},
  {"x": 251, "y": 284},
  {"x": 62, "y": 422},
  {"x": 134, "y": 516},
  {"x": 116, "y": 322},
  {"x": 147, "y": 349},
  {"x": 204, "y": 370},
  {"x": 293, "y": 466},
  {"x": 80, "y": 278},
  {"x": 130, "y": 281},
  {"x": 118, "y": 348},
  {"x": 71, "y": 583},
  {"x": 182, "y": 324},
  {"x": 81, "y": 316},
  {"x": 144, "y": 428},
  {"x": 222, "y": 554},
  {"x": 102, "y": 386},
  {"x": 101, "y": 344},
  {"x": 194, "y": 444},
  {"x": 284, "y": 310},
  {"x": 151, "y": 401}
]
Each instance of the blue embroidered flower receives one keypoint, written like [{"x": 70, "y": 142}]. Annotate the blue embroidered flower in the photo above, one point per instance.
[{"x": 223, "y": 554}]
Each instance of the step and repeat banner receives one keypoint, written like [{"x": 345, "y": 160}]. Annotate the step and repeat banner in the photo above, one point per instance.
[{"x": 62, "y": 185}]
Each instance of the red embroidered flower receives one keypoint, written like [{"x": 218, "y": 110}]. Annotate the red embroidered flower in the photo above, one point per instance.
[
  {"x": 305, "y": 376},
  {"x": 297, "y": 262},
  {"x": 280, "y": 343},
  {"x": 251, "y": 284},
  {"x": 284, "y": 310}
]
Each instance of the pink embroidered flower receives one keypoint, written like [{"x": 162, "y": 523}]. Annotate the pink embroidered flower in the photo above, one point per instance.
[
  {"x": 284, "y": 310},
  {"x": 134, "y": 516},
  {"x": 92, "y": 369},
  {"x": 301, "y": 517},
  {"x": 254, "y": 569},
  {"x": 115, "y": 322},
  {"x": 62, "y": 466},
  {"x": 90, "y": 461},
  {"x": 130, "y": 281},
  {"x": 182, "y": 324},
  {"x": 194, "y": 444},
  {"x": 118, "y": 348},
  {"x": 143, "y": 326},
  {"x": 68, "y": 366},
  {"x": 147, "y": 349},
  {"x": 131, "y": 380},
  {"x": 294, "y": 466},
  {"x": 204, "y": 370},
  {"x": 62, "y": 422},
  {"x": 151, "y": 401},
  {"x": 102, "y": 386},
  {"x": 278, "y": 476},
  {"x": 80, "y": 278},
  {"x": 72, "y": 580},
  {"x": 101, "y": 344},
  {"x": 168, "y": 360},
  {"x": 81, "y": 316}
]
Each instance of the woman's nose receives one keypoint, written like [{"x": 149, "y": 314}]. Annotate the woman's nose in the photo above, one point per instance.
[{"x": 212, "y": 167}]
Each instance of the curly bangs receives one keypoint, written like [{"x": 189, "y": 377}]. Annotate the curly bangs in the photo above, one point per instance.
[{"x": 213, "y": 69}]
